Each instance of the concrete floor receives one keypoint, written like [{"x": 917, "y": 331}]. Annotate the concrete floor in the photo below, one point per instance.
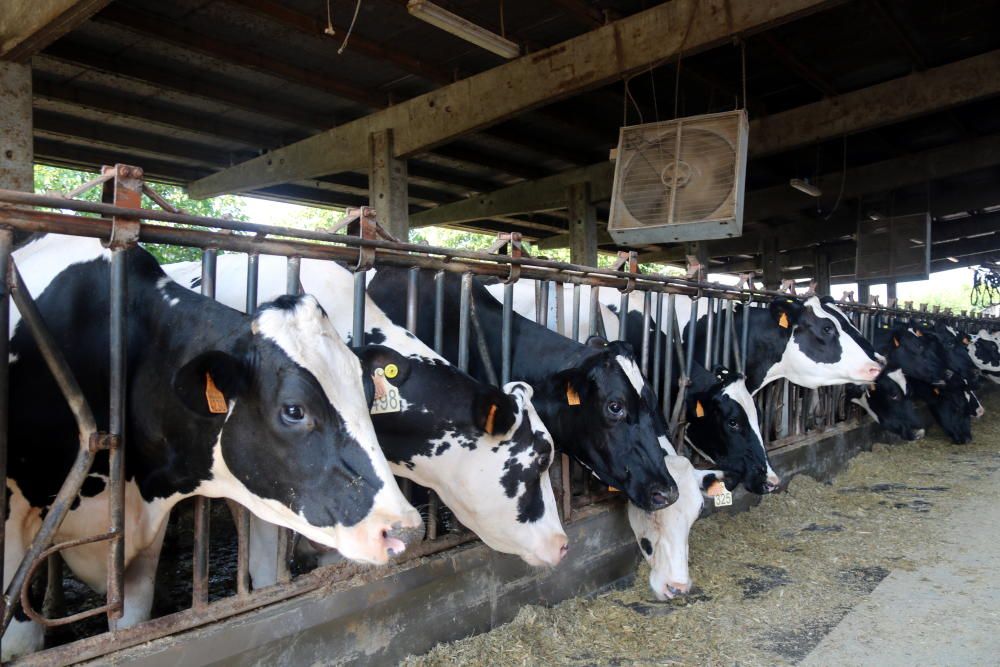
[{"x": 944, "y": 612}]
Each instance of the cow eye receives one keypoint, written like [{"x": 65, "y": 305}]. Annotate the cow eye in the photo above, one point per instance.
[
  {"x": 616, "y": 409},
  {"x": 733, "y": 424},
  {"x": 543, "y": 461},
  {"x": 292, "y": 414},
  {"x": 828, "y": 329}
]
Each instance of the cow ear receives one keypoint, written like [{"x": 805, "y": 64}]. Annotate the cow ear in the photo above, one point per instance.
[
  {"x": 569, "y": 385},
  {"x": 494, "y": 411},
  {"x": 785, "y": 311},
  {"x": 208, "y": 382},
  {"x": 394, "y": 366},
  {"x": 597, "y": 342}
]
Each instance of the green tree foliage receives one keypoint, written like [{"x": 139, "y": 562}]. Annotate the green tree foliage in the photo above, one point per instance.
[{"x": 56, "y": 179}]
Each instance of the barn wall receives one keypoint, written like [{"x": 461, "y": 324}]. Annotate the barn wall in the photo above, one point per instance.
[{"x": 455, "y": 594}]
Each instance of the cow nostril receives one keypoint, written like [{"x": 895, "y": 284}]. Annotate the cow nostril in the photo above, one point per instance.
[{"x": 661, "y": 499}]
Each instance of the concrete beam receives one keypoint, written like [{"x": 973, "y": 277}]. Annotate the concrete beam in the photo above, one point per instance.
[
  {"x": 387, "y": 186},
  {"x": 16, "y": 151},
  {"x": 544, "y": 194},
  {"x": 588, "y": 61},
  {"x": 28, "y": 26}
]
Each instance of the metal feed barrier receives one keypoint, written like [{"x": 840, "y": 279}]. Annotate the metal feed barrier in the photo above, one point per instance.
[{"x": 787, "y": 411}]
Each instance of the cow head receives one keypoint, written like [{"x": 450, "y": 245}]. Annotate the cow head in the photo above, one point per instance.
[
  {"x": 823, "y": 347},
  {"x": 482, "y": 449},
  {"x": 889, "y": 403},
  {"x": 950, "y": 406},
  {"x": 985, "y": 354},
  {"x": 663, "y": 535},
  {"x": 722, "y": 423},
  {"x": 917, "y": 354},
  {"x": 607, "y": 418},
  {"x": 295, "y": 444},
  {"x": 952, "y": 348}
]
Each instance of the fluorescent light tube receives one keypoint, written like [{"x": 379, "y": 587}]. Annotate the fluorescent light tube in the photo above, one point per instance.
[
  {"x": 462, "y": 28},
  {"x": 803, "y": 185}
]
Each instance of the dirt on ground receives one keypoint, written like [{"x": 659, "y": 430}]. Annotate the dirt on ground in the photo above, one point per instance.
[{"x": 769, "y": 583}]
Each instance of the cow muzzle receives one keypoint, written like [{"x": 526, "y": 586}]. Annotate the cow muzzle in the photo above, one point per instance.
[{"x": 673, "y": 588}]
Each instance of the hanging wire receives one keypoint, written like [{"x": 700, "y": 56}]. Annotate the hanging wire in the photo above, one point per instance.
[
  {"x": 677, "y": 86},
  {"x": 350, "y": 29},
  {"x": 652, "y": 84},
  {"x": 629, "y": 97},
  {"x": 503, "y": 28},
  {"x": 743, "y": 65},
  {"x": 328, "y": 30},
  {"x": 843, "y": 183}
]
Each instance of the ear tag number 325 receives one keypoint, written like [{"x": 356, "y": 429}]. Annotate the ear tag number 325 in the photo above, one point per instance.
[{"x": 386, "y": 396}]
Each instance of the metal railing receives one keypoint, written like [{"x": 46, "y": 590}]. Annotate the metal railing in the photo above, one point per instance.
[{"x": 787, "y": 411}]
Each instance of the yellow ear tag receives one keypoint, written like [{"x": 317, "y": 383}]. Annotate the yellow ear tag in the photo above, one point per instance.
[
  {"x": 489, "y": 419},
  {"x": 391, "y": 371},
  {"x": 699, "y": 410},
  {"x": 612, "y": 489},
  {"x": 783, "y": 321},
  {"x": 216, "y": 401},
  {"x": 895, "y": 341},
  {"x": 572, "y": 398}
]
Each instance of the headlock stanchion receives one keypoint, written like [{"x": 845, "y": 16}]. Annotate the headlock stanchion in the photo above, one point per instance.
[{"x": 788, "y": 412}]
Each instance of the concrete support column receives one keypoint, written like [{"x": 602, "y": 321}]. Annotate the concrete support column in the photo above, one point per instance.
[
  {"x": 387, "y": 185},
  {"x": 698, "y": 250},
  {"x": 864, "y": 292},
  {"x": 890, "y": 292},
  {"x": 582, "y": 225},
  {"x": 770, "y": 262},
  {"x": 16, "y": 153},
  {"x": 821, "y": 273}
]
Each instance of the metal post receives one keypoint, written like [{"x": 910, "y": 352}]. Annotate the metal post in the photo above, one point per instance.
[
  {"x": 709, "y": 333},
  {"x": 292, "y": 275},
  {"x": 576, "y": 313},
  {"x": 463, "y": 322},
  {"x": 647, "y": 307},
  {"x": 668, "y": 354},
  {"x": 203, "y": 505},
  {"x": 692, "y": 324},
  {"x": 543, "y": 292},
  {"x": 116, "y": 428},
  {"x": 745, "y": 338},
  {"x": 358, "y": 324},
  {"x": 560, "y": 308},
  {"x": 657, "y": 348},
  {"x": 594, "y": 310},
  {"x": 507, "y": 334},
  {"x": 6, "y": 243},
  {"x": 727, "y": 334},
  {"x": 439, "y": 312},
  {"x": 411, "y": 299},
  {"x": 622, "y": 315},
  {"x": 240, "y": 514}
]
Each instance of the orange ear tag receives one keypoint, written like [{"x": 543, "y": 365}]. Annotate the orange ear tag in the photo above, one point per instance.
[
  {"x": 489, "y": 419},
  {"x": 937, "y": 392},
  {"x": 895, "y": 341},
  {"x": 721, "y": 496},
  {"x": 783, "y": 321},
  {"x": 716, "y": 489},
  {"x": 572, "y": 398},
  {"x": 612, "y": 489},
  {"x": 699, "y": 410},
  {"x": 916, "y": 332},
  {"x": 216, "y": 401}
]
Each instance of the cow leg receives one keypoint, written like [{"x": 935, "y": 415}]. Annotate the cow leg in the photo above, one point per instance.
[
  {"x": 23, "y": 635},
  {"x": 263, "y": 553},
  {"x": 140, "y": 580}
]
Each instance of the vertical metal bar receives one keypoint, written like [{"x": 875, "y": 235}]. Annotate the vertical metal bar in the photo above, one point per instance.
[
  {"x": 709, "y": 333},
  {"x": 253, "y": 270},
  {"x": 292, "y": 275},
  {"x": 622, "y": 315},
  {"x": 692, "y": 324},
  {"x": 543, "y": 315},
  {"x": 241, "y": 516},
  {"x": 507, "y": 333},
  {"x": 668, "y": 354},
  {"x": 411, "y": 299},
  {"x": 439, "y": 312},
  {"x": 6, "y": 243},
  {"x": 576, "y": 313},
  {"x": 116, "y": 427},
  {"x": 727, "y": 336},
  {"x": 202, "y": 505},
  {"x": 463, "y": 322},
  {"x": 720, "y": 323},
  {"x": 657, "y": 348},
  {"x": 594, "y": 310},
  {"x": 560, "y": 308},
  {"x": 567, "y": 485},
  {"x": 358, "y": 323},
  {"x": 745, "y": 338},
  {"x": 647, "y": 307},
  {"x": 537, "y": 284}
]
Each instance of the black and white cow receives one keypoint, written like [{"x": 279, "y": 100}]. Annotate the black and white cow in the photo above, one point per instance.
[
  {"x": 592, "y": 397},
  {"x": 985, "y": 354},
  {"x": 484, "y": 450},
  {"x": 918, "y": 355},
  {"x": 722, "y": 417},
  {"x": 950, "y": 405},
  {"x": 889, "y": 401},
  {"x": 952, "y": 348},
  {"x": 289, "y": 435}
]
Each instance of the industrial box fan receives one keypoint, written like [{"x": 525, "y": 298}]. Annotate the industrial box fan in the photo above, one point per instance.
[{"x": 680, "y": 180}]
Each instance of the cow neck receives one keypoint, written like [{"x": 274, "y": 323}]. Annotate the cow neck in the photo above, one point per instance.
[
  {"x": 170, "y": 447},
  {"x": 766, "y": 347}
]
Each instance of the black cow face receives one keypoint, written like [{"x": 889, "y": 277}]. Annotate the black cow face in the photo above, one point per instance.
[
  {"x": 609, "y": 421},
  {"x": 950, "y": 407},
  {"x": 889, "y": 403},
  {"x": 954, "y": 352},
  {"x": 986, "y": 352},
  {"x": 722, "y": 423},
  {"x": 918, "y": 356}
]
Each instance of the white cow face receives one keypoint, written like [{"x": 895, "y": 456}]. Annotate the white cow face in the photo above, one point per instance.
[
  {"x": 498, "y": 485},
  {"x": 825, "y": 348},
  {"x": 663, "y": 535}
]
